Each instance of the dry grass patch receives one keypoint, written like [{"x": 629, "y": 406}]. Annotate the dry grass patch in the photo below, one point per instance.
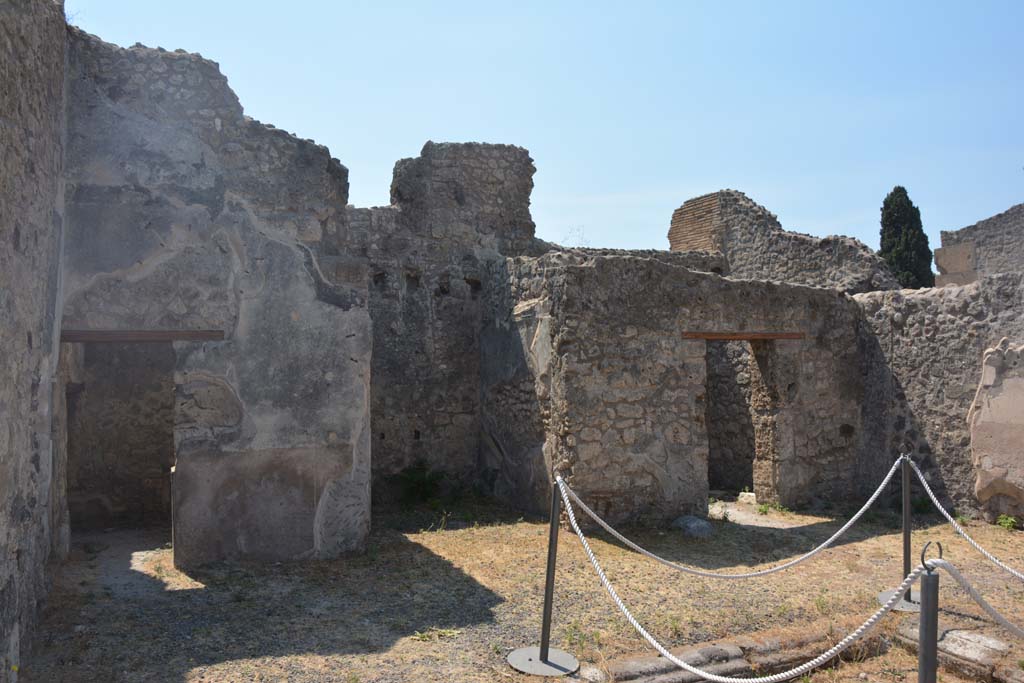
[{"x": 449, "y": 604}]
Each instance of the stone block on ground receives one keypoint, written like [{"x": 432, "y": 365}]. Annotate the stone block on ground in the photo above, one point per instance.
[{"x": 967, "y": 651}]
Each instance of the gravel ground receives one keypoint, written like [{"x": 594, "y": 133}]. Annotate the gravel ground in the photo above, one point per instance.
[{"x": 445, "y": 597}]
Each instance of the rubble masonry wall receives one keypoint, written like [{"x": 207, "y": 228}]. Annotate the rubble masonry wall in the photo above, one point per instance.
[
  {"x": 587, "y": 373},
  {"x": 33, "y": 524},
  {"x": 925, "y": 350}
]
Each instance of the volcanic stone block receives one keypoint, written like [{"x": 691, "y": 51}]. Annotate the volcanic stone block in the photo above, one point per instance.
[{"x": 997, "y": 432}]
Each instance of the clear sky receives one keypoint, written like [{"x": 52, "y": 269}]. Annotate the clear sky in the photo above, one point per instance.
[{"x": 814, "y": 109}]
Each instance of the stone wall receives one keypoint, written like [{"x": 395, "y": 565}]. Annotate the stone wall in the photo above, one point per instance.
[
  {"x": 454, "y": 208},
  {"x": 994, "y": 245},
  {"x": 121, "y": 436},
  {"x": 457, "y": 210},
  {"x": 586, "y": 372},
  {"x": 925, "y": 351},
  {"x": 32, "y": 55},
  {"x": 184, "y": 214},
  {"x": 757, "y": 248},
  {"x": 519, "y": 433}
]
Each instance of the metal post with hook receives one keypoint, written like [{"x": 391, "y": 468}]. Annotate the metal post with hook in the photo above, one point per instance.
[
  {"x": 910, "y": 602},
  {"x": 928, "y": 629},
  {"x": 545, "y": 660},
  {"x": 907, "y": 521}
]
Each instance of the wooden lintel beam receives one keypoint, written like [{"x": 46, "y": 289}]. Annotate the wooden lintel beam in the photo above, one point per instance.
[
  {"x": 137, "y": 336},
  {"x": 745, "y": 336}
]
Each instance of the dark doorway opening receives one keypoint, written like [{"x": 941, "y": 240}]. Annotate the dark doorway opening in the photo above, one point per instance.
[
  {"x": 120, "y": 406},
  {"x": 730, "y": 424}
]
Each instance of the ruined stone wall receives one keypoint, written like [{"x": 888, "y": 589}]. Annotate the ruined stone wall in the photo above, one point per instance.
[
  {"x": 121, "y": 436},
  {"x": 519, "y": 429},
  {"x": 454, "y": 208},
  {"x": 425, "y": 313},
  {"x": 757, "y": 248},
  {"x": 32, "y": 55},
  {"x": 701, "y": 260},
  {"x": 184, "y": 214},
  {"x": 927, "y": 348},
  {"x": 603, "y": 387},
  {"x": 467, "y": 197},
  {"x": 994, "y": 245}
]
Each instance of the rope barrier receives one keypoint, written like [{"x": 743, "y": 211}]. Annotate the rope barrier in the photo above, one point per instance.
[
  {"x": 976, "y": 596},
  {"x": 707, "y": 675},
  {"x": 837, "y": 649},
  {"x": 747, "y": 575},
  {"x": 959, "y": 530}
]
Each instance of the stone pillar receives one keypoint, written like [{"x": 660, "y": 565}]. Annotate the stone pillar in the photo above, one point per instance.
[{"x": 775, "y": 389}]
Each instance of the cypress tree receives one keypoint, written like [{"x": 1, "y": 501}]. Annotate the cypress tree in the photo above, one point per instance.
[{"x": 904, "y": 245}]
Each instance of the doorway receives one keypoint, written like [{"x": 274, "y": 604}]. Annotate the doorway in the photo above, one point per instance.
[
  {"x": 120, "y": 436},
  {"x": 751, "y": 389},
  {"x": 730, "y": 420}
]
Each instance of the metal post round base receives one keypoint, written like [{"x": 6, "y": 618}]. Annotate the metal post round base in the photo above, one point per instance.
[
  {"x": 902, "y": 606},
  {"x": 527, "y": 660}
]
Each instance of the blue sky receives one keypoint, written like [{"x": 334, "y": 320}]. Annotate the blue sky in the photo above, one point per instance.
[{"x": 814, "y": 109}]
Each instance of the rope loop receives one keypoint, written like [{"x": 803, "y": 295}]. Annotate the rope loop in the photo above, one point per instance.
[
  {"x": 746, "y": 575},
  {"x": 837, "y": 649},
  {"x": 959, "y": 529}
]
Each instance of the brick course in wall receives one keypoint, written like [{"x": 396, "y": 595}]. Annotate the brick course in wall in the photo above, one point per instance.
[{"x": 694, "y": 223}]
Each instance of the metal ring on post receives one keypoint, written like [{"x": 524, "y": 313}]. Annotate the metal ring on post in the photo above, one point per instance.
[
  {"x": 928, "y": 625},
  {"x": 924, "y": 550}
]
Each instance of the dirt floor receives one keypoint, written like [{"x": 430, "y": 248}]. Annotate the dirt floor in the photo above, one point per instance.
[{"x": 445, "y": 596}]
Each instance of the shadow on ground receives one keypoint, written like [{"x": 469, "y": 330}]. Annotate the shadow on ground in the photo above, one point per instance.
[{"x": 120, "y": 586}]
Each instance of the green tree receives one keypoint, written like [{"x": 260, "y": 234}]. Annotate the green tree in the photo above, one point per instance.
[{"x": 904, "y": 246}]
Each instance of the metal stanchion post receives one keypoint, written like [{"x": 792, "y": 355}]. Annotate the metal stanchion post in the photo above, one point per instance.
[
  {"x": 928, "y": 632},
  {"x": 543, "y": 660},
  {"x": 910, "y": 602},
  {"x": 907, "y": 523},
  {"x": 549, "y": 580}
]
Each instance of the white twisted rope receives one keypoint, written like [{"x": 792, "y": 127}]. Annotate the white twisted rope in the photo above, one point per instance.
[
  {"x": 959, "y": 530},
  {"x": 747, "y": 575},
  {"x": 976, "y": 596},
  {"x": 837, "y": 649},
  {"x": 707, "y": 675}
]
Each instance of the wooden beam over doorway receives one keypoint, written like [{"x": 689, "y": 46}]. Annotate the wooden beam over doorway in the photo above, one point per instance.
[
  {"x": 743, "y": 336},
  {"x": 137, "y": 336}
]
